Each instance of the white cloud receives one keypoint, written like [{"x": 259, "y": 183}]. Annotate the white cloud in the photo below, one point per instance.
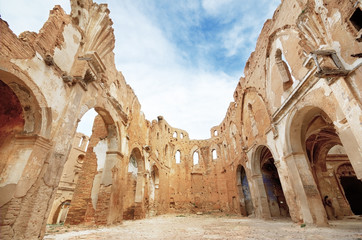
[
  {"x": 244, "y": 33},
  {"x": 188, "y": 98},
  {"x": 193, "y": 101},
  {"x": 28, "y": 15},
  {"x": 137, "y": 38},
  {"x": 215, "y": 7}
]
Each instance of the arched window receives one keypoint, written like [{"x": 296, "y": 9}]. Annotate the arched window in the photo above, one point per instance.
[
  {"x": 196, "y": 158},
  {"x": 132, "y": 166},
  {"x": 178, "y": 156},
  {"x": 283, "y": 70},
  {"x": 214, "y": 154},
  {"x": 252, "y": 120},
  {"x": 166, "y": 150}
]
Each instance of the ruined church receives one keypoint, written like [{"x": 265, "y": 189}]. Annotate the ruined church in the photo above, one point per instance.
[{"x": 290, "y": 142}]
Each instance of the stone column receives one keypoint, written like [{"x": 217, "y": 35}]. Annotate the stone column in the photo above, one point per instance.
[
  {"x": 116, "y": 199},
  {"x": 139, "y": 212},
  {"x": 139, "y": 187},
  {"x": 260, "y": 198},
  {"x": 349, "y": 129},
  {"x": 25, "y": 199},
  {"x": 288, "y": 191},
  {"x": 311, "y": 206},
  {"x": 63, "y": 134}
]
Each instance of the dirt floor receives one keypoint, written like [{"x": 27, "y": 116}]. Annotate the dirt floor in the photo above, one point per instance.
[{"x": 189, "y": 226}]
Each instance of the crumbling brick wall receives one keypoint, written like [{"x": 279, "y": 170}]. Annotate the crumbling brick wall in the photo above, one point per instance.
[{"x": 81, "y": 203}]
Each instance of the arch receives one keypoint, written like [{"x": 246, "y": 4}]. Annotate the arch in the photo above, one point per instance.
[
  {"x": 275, "y": 194},
  {"x": 297, "y": 123},
  {"x": 155, "y": 175},
  {"x": 283, "y": 69},
  {"x": 100, "y": 108},
  {"x": 276, "y": 33},
  {"x": 37, "y": 114},
  {"x": 12, "y": 119},
  {"x": 350, "y": 186},
  {"x": 25, "y": 127},
  {"x": 246, "y": 204},
  {"x": 61, "y": 213},
  {"x": 247, "y": 91},
  {"x": 310, "y": 134},
  {"x": 270, "y": 201},
  {"x": 178, "y": 157},
  {"x": 255, "y": 160},
  {"x": 282, "y": 49},
  {"x": 324, "y": 151},
  {"x": 136, "y": 155},
  {"x": 112, "y": 144},
  {"x": 103, "y": 152},
  {"x": 255, "y": 117},
  {"x": 214, "y": 154},
  {"x": 233, "y": 133},
  {"x": 106, "y": 153},
  {"x": 135, "y": 184},
  {"x": 195, "y": 157},
  {"x": 154, "y": 188},
  {"x": 113, "y": 131}
]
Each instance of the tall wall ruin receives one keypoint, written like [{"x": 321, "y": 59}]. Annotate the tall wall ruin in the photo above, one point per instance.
[{"x": 291, "y": 137}]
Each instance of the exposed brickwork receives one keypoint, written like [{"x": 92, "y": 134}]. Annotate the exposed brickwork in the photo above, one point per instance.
[
  {"x": 82, "y": 193},
  {"x": 129, "y": 198},
  {"x": 103, "y": 205}
]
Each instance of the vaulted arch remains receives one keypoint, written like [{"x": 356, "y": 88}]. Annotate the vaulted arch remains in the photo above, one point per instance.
[
  {"x": 255, "y": 118},
  {"x": 332, "y": 171},
  {"x": 134, "y": 195},
  {"x": 312, "y": 138},
  {"x": 24, "y": 132},
  {"x": 284, "y": 65}
]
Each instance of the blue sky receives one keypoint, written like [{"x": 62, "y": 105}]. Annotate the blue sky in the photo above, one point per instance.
[{"x": 182, "y": 58}]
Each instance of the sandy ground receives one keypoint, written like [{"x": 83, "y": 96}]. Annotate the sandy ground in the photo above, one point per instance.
[{"x": 210, "y": 227}]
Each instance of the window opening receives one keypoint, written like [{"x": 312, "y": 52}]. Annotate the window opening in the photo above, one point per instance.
[
  {"x": 283, "y": 70},
  {"x": 214, "y": 154},
  {"x": 178, "y": 156},
  {"x": 196, "y": 158},
  {"x": 356, "y": 19}
]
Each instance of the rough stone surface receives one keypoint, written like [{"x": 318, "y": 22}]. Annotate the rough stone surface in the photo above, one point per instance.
[{"x": 210, "y": 227}]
